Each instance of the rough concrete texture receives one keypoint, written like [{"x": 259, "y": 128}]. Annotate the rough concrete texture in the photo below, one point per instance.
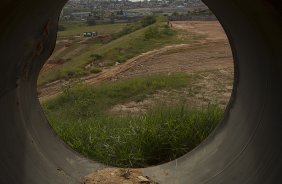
[{"x": 245, "y": 148}]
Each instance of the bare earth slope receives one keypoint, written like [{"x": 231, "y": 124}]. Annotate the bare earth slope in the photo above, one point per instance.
[
  {"x": 209, "y": 58},
  {"x": 208, "y": 54}
]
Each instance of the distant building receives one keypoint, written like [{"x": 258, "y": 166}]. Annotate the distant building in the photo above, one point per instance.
[{"x": 81, "y": 15}]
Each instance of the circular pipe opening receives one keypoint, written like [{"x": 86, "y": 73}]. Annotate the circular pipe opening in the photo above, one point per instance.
[
  {"x": 244, "y": 149},
  {"x": 202, "y": 78}
]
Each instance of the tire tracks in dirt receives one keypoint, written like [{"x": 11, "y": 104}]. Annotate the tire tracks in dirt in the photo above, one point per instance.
[{"x": 213, "y": 37}]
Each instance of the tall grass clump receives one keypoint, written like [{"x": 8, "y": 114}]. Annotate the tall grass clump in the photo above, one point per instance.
[
  {"x": 82, "y": 119},
  {"x": 84, "y": 101},
  {"x": 158, "y": 136}
]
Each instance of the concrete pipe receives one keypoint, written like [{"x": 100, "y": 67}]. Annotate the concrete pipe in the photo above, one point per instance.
[{"x": 245, "y": 148}]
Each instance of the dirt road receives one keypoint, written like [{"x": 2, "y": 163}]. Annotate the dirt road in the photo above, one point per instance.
[
  {"x": 209, "y": 57},
  {"x": 209, "y": 60}
]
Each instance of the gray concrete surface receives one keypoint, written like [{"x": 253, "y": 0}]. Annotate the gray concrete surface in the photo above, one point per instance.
[{"x": 245, "y": 149}]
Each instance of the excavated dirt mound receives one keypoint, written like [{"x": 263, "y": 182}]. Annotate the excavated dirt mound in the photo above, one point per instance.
[
  {"x": 209, "y": 60},
  {"x": 117, "y": 176},
  {"x": 211, "y": 53}
]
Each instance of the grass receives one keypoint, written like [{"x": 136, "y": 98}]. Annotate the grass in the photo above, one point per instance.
[
  {"x": 81, "y": 118},
  {"x": 119, "y": 50},
  {"x": 84, "y": 101},
  {"x": 140, "y": 141},
  {"x": 135, "y": 43}
]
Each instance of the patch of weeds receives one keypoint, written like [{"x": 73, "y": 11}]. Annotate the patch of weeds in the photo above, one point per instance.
[
  {"x": 96, "y": 56},
  {"x": 161, "y": 135},
  {"x": 81, "y": 118},
  {"x": 149, "y": 20},
  {"x": 109, "y": 63},
  {"x": 158, "y": 32},
  {"x": 78, "y": 72},
  {"x": 95, "y": 70}
]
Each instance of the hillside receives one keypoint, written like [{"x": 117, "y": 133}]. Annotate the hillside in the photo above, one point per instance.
[
  {"x": 77, "y": 56},
  {"x": 142, "y": 111}
]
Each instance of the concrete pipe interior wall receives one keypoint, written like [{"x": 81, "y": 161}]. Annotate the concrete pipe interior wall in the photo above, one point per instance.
[{"x": 245, "y": 148}]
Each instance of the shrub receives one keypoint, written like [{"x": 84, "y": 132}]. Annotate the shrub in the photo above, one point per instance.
[
  {"x": 78, "y": 72},
  {"x": 126, "y": 30},
  {"x": 149, "y": 20},
  {"x": 158, "y": 32},
  {"x": 71, "y": 74},
  {"x": 167, "y": 31},
  {"x": 96, "y": 56},
  {"x": 152, "y": 32},
  {"x": 96, "y": 70}
]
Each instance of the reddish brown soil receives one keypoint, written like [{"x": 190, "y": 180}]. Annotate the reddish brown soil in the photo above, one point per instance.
[
  {"x": 117, "y": 176},
  {"x": 210, "y": 58}
]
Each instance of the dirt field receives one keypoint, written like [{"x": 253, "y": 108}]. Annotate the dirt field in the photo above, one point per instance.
[
  {"x": 117, "y": 176},
  {"x": 209, "y": 59}
]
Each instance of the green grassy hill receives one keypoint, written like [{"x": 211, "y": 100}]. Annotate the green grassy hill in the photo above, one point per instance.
[{"x": 119, "y": 50}]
